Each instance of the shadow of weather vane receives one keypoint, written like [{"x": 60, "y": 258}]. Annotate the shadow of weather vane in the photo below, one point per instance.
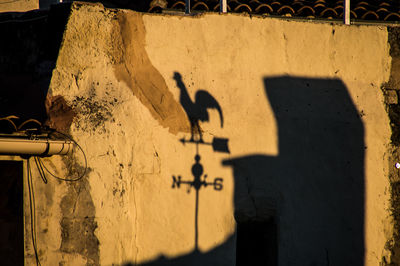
[
  {"x": 218, "y": 144},
  {"x": 199, "y": 180},
  {"x": 197, "y": 111}
]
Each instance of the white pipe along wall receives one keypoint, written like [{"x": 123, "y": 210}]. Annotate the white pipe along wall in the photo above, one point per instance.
[{"x": 11, "y": 146}]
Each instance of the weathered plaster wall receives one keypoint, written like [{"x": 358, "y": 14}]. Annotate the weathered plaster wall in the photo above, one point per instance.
[{"x": 114, "y": 76}]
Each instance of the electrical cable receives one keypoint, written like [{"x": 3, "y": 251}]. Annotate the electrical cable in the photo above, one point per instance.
[
  {"x": 23, "y": 20},
  {"x": 40, "y": 169},
  {"x": 32, "y": 210},
  {"x": 43, "y": 166}
]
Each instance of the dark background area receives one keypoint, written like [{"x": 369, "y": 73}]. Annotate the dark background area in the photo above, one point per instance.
[
  {"x": 28, "y": 53},
  {"x": 11, "y": 213}
]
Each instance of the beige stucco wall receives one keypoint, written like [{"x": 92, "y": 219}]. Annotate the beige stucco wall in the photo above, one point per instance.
[{"x": 115, "y": 70}]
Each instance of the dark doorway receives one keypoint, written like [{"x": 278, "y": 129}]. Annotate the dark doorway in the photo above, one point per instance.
[
  {"x": 11, "y": 213},
  {"x": 256, "y": 243}
]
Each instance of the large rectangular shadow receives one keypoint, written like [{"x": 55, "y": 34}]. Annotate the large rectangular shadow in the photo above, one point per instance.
[{"x": 314, "y": 188}]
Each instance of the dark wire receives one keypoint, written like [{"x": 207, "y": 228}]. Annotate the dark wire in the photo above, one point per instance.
[
  {"x": 43, "y": 166},
  {"x": 40, "y": 169},
  {"x": 33, "y": 211},
  {"x": 22, "y": 20}
]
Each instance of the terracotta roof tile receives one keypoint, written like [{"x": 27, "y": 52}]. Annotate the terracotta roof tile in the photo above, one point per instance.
[
  {"x": 372, "y": 10},
  {"x": 329, "y": 13},
  {"x": 200, "y": 6}
]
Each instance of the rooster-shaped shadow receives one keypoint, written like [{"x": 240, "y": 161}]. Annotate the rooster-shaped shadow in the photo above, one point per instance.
[{"x": 197, "y": 110}]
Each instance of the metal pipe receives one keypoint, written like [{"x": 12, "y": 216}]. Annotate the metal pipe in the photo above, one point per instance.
[
  {"x": 187, "y": 7},
  {"x": 44, "y": 147},
  {"x": 222, "y": 5},
  {"x": 346, "y": 13}
]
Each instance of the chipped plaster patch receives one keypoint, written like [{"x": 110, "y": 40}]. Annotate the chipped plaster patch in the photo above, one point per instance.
[
  {"x": 145, "y": 81},
  {"x": 60, "y": 114}
]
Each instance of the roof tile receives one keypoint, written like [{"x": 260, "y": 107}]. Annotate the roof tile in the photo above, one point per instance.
[{"x": 370, "y": 10}]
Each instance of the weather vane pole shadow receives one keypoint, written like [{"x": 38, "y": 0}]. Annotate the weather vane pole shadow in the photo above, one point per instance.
[{"x": 197, "y": 111}]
